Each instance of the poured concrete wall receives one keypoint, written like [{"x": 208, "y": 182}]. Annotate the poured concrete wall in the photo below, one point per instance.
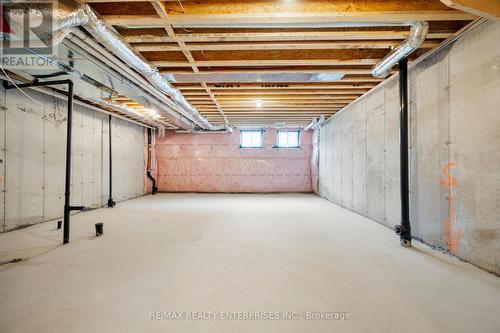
[
  {"x": 454, "y": 153},
  {"x": 33, "y": 141},
  {"x": 216, "y": 163}
]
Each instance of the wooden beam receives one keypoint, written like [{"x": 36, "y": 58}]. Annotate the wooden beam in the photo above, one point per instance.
[
  {"x": 277, "y": 96},
  {"x": 276, "y": 102},
  {"x": 217, "y": 105},
  {"x": 484, "y": 8},
  {"x": 256, "y": 63},
  {"x": 216, "y": 51},
  {"x": 277, "y": 86},
  {"x": 276, "y": 110},
  {"x": 347, "y": 79},
  {"x": 253, "y": 107},
  {"x": 293, "y": 20},
  {"x": 271, "y": 105},
  {"x": 282, "y": 117},
  {"x": 286, "y": 116},
  {"x": 257, "y": 113},
  {"x": 298, "y": 105},
  {"x": 245, "y": 103},
  {"x": 280, "y": 36},
  {"x": 280, "y": 92},
  {"x": 279, "y": 46},
  {"x": 266, "y": 71},
  {"x": 161, "y": 11},
  {"x": 259, "y": 123},
  {"x": 286, "y": 97},
  {"x": 118, "y": 1},
  {"x": 311, "y": 95},
  {"x": 284, "y": 110},
  {"x": 311, "y": 103}
]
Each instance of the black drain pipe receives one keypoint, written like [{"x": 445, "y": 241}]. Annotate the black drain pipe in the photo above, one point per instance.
[
  {"x": 67, "y": 196},
  {"x": 154, "y": 189},
  {"x": 404, "y": 229},
  {"x": 111, "y": 202}
]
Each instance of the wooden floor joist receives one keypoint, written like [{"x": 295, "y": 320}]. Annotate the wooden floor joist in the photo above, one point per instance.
[
  {"x": 306, "y": 36},
  {"x": 335, "y": 45},
  {"x": 160, "y": 9},
  {"x": 332, "y": 19},
  {"x": 312, "y": 57}
]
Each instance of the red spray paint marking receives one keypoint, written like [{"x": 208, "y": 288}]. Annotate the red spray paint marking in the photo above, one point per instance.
[{"x": 452, "y": 238}]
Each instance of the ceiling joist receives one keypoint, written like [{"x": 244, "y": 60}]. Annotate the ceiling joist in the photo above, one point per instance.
[
  {"x": 215, "y": 52},
  {"x": 285, "y": 20}
]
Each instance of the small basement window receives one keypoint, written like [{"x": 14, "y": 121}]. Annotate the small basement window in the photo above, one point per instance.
[
  {"x": 288, "y": 139},
  {"x": 251, "y": 138}
]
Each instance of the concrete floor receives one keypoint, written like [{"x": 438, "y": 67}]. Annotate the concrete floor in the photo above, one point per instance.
[{"x": 226, "y": 253}]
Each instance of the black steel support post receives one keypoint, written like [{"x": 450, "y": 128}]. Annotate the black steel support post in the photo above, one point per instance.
[
  {"x": 67, "y": 188},
  {"x": 404, "y": 229},
  {"x": 154, "y": 189},
  {"x": 111, "y": 202}
]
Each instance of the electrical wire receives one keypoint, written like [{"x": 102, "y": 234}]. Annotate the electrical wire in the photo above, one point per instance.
[
  {"x": 182, "y": 7},
  {"x": 15, "y": 85},
  {"x": 184, "y": 10}
]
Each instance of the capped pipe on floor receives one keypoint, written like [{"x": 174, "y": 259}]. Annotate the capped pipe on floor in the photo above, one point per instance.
[
  {"x": 417, "y": 36},
  {"x": 99, "y": 229}
]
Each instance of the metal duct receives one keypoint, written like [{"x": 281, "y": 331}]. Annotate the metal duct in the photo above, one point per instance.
[
  {"x": 126, "y": 110},
  {"x": 228, "y": 129},
  {"x": 414, "y": 41},
  {"x": 122, "y": 77},
  {"x": 315, "y": 123},
  {"x": 85, "y": 17}
]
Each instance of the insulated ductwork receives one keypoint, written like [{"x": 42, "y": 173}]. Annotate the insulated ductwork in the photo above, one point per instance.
[
  {"x": 413, "y": 42},
  {"x": 315, "y": 123},
  {"x": 127, "y": 111},
  {"x": 228, "y": 129},
  {"x": 85, "y": 17}
]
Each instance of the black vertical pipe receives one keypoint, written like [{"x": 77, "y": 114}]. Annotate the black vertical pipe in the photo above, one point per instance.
[
  {"x": 67, "y": 187},
  {"x": 69, "y": 122},
  {"x": 154, "y": 189},
  {"x": 404, "y": 230},
  {"x": 111, "y": 202}
]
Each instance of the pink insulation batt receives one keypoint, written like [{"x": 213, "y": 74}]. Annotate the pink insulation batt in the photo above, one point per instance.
[{"x": 216, "y": 163}]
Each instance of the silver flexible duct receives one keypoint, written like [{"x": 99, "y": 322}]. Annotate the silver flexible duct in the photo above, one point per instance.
[
  {"x": 413, "y": 42},
  {"x": 126, "y": 110},
  {"x": 315, "y": 123},
  {"x": 85, "y": 17}
]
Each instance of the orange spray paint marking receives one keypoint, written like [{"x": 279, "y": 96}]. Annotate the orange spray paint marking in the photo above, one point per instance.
[
  {"x": 450, "y": 181},
  {"x": 452, "y": 239}
]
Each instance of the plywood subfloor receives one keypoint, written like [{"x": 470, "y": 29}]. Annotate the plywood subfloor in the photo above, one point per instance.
[{"x": 226, "y": 253}]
